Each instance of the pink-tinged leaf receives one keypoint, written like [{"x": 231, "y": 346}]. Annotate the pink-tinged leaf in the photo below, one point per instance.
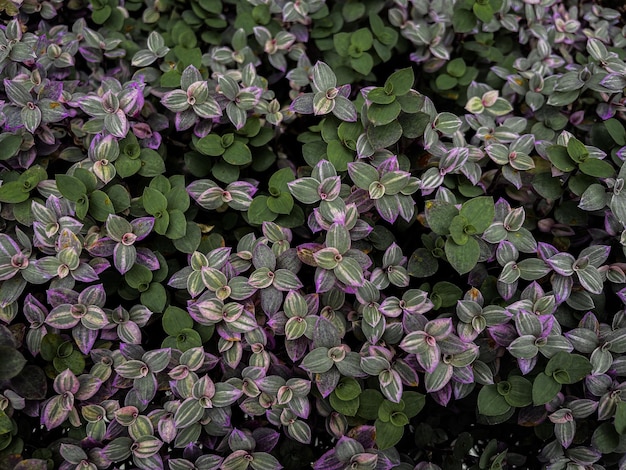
[
  {"x": 85, "y": 273},
  {"x": 167, "y": 429},
  {"x": 93, "y": 295},
  {"x": 103, "y": 247},
  {"x": 391, "y": 385},
  {"x": 124, "y": 257},
  {"x": 327, "y": 381},
  {"x": 440, "y": 328},
  {"x": 142, "y": 227},
  {"x": 129, "y": 333},
  {"x": 117, "y": 123},
  {"x": 303, "y": 104},
  {"x": 84, "y": 337},
  {"x": 61, "y": 317},
  {"x": 54, "y": 413},
  {"x": 34, "y": 310},
  {"x": 185, "y": 120},
  {"x": 89, "y": 386},
  {"x": 66, "y": 381},
  {"x": 189, "y": 412},
  {"x": 147, "y": 258},
  {"x": 59, "y": 296},
  {"x": 429, "y": 358},
  {"x": 438, "y": 377}
]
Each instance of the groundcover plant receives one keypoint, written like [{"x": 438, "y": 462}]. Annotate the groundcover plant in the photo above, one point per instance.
[{"x": 265, "y": 234}]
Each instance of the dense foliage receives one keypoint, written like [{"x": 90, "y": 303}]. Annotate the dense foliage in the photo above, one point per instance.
[{"x": 289, "y": 234}]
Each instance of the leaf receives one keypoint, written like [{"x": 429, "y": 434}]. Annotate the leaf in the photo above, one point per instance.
[
  {"x": 620, "y": 417},
  {"x": 387, "y": 434},
  {"x": 400, "y": 82},
  {"x": 281, "y": 204},
  {"x": 559, "y": 157},
  {"x": 381, "y": 114},
  {"x": 258, "y": 212},
  {"x": 439, "y": 216},
  {"x": 598, "y": 168},
  {"x": 345, "y": 407},
  {"x": 463, "y": 21},
  {"x": 479, "y": 212},
  {"x": 463, "y": 258},
  {"x": 422, "y": 263},
  {"x": 616, "y": 130},
  {"x": 545, "y": 389},
  {"x": 12, "y": 362},
  {"x": 237, "y": 154},
  {"x": 520, "y": 393},
  {"x": 381, "y": 137},
  {"x": 13, "y": 192},
  {"x": 490, "y": 402}
]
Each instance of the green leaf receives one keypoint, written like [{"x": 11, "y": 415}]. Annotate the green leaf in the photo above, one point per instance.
[
  {"x": 576, "y": 366},
  {"x": 339, "y": 155},
  {"x": 363, "y": 64},
  {"x": 483, "y": 12},
  {"x": 479, "y": 212},
  {"x": 237, "y": 154},
  {"x": 520, "y": 393},
  {"x": 347, "y": 389},
  {"x": 615, "y": 128},
  {"x": 490, "y": 402},
  {"x": 190, "y": 242},
  {"x": 446, "y": 82},
  {"x": 10, "y": 144},
  {"x": 210, "y": 145},
  {"x": 281, "y": 178},
  {"x": 606, "y": 438},
  {"x": 413, "y": 403},
  {"x": 381, "y": 114},
  {"x": 370, "y": 403},
  {"x": 187, "y": 339},
  {"x": 577, "y": 150},
  {"x": 422, "y": 263},
  {"x": 439, "y": 215},
  {"x": 598, "y": 168},
  {"x": 258, "y": 212},
  {"x": 545, "y": 389},
  {"x": 381, "y": 137},
  {"x": 559, "y": 157},
  {"x": 620, "y": 417},
  {"x": 70, "y": 187},
  {"x": 456, "y": 67},
  {"x": 281, "y": 204},
  {"x": 175, "y": 320},
  {"x": 13, "y": 192},
  {"x": 345, "y": 407},
  {"x": 400, "y": 82},
  {"x": 12, "y": 362},
  {"x": 177, "y": 226},
  {"x": 463, "y": 258},
  {"x": 379, "y": 96},
  {"x": 387, "y": 434},
  {"x": 457, "y": 230},
  {"x": 100, "y": 205},
  {"x": 463, "y": 21},
  {"x": 152, "y": 163},
  {"x": 154, "y": 202}
]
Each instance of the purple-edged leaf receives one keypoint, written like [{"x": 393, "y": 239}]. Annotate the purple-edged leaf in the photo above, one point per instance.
[
  {"x": 303, "y": 104},
  {"x": 590, "y": 279},
  {"x": 225, "y": 395},
  {"x": 562, "y": 286},
  {"x": 61, "y": 317},
  {"x": 439, "y": 328},
  {"x": 564, "y": 432},
  {"x": 300, "y": 431},
  {"x": 85, "y": 338},
  {"x": 146, "y": 446},
  {"x": 189, "y": 412},
  {"x": 562, "y": 263},
  {"x": 391, "y": 385},
  {"x": 524, "y": 347},
  {"x": 305, "y": 190},
  {"x": 54, "y": 412},
  {"x": 124, "y": 257},
  {"x": 117, "y": 123},
  {"x": 349, "y": 272},
  {"x": 175, "y": 101},
  {"x": 430, "y": 357},
  {"x": 285, "y": 280},
  {"x": 344, "y": 109},
  {"x": 263, "y": 257},
  {"x": 438, "y": 378},
  {"x": 66, "y": 381},
  {"x": 89, "y": 386},
  {"x": 142, "y": 227},
  {"x": 93, "y": 295},
  {"x": 317, "y": 361}
]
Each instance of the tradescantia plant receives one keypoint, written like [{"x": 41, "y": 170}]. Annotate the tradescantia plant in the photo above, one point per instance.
[{"x": 245, "y": 234}]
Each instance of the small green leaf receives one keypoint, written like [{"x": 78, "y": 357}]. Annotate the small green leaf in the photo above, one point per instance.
[
  {"x": 345, "y": 407},
  {"x": 615, "y": 128},
  {"x": 456, "y": 67},
  {"x": 13, "y": 192},
  {"x": 559, "y": 157},
  {"x": 597, "y": 168},
  {"x": 446, "y": 82},
  {"x": 401, "y": 81},
  {"x": 387, "y": 434},
  {"x": 12, "y": 362},
  {"x": 70, "y": 187},
  {"x": 483, "y": 12},
  {"x": 259, "y": 212},
  {"x": 281, "y": 204},
  {"x": 439, "y": 215},
  {"x": 175, "y": 320},
  {"x": 479, "y": 212},
  {"x": 620, "y": 417},
  {"x": 545, "y": 389},
  {"x": 463, "y": 258},
  {"x": 100, "y": 205},
  {"x": 463, "y": 21},
  {"x": 490, "y": 402},
  {"x": 237, "y": 154},
  {"x": 577, "y": 150},
  {"x": 381, "y": 114}
]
